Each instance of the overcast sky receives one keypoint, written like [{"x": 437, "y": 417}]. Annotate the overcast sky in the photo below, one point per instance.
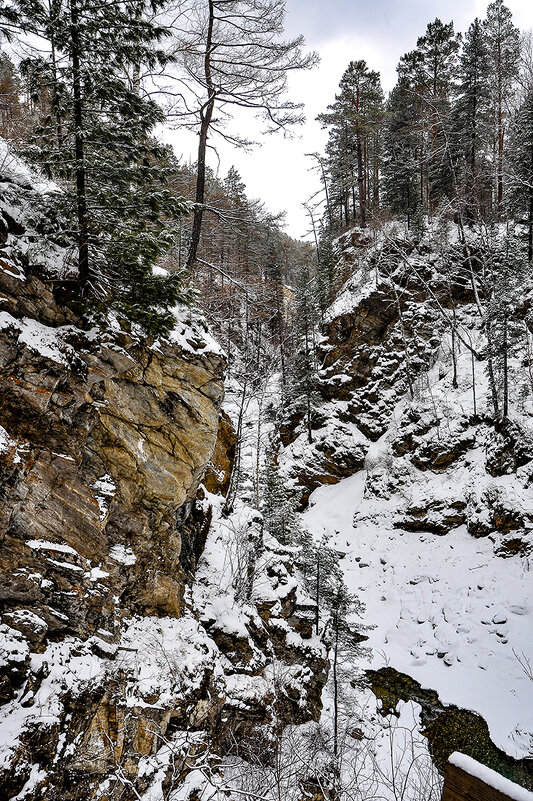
[{"x": 379, "y": 31}]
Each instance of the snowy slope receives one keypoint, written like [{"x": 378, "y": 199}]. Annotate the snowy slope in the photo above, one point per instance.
[{"x": 449, "y": 610}]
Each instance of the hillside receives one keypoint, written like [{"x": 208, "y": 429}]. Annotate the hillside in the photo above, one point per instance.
[
  {"x": 119, "y": 649},
  {"x": 425, "y": 493}
]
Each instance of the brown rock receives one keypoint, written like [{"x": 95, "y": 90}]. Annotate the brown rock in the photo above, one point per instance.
[{"x": 218, "y": 473}]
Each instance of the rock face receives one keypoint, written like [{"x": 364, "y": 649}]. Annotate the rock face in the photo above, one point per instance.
[
  {"x": 387, "y": 353},
  {"x": 379, "y": 336},
  {"x": 107, "y": 438},
  {"x": 110, "y": 680},
  {"x": 436, "y": 528}
]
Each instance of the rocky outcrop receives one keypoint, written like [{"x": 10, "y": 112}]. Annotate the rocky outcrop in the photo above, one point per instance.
[
  {"x": 334, "y": 453},
  {"x": 112, "y": 679},
  {"x": 390, "y": 366},
  {"x": 380, "y": 336},
  {"x": 105, "y": 436}
]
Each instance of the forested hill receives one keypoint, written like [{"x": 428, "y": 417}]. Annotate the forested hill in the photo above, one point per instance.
[{"x": 266, "y": 518}]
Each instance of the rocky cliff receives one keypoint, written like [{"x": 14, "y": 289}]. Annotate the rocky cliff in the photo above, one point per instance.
[
  {"x": 112, "y": 674},
  {"x": 432, "y": 509}
]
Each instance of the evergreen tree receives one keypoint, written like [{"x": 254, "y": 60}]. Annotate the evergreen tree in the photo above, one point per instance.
[
  {"x": 95, "y": 137},
  {"x": 503, "y": 49},
  {"x": 326, "y": 275},
  {"x": 354, "y": 144},
  {"x": 428, "y": 73},
  {"x": 402, "y": 152},
  {"x": 471, "y": 121},
  {"x": 505, "y": 276},
  {"x": 13, "y": 118},
  {"x": 279, "y": 506},
  {"x": 345, "y": 637},
  {"x": 520, "y": 200},
  {"x": 302, "y": 396}
]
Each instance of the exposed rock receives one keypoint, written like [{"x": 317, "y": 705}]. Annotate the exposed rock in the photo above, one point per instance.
[
  {"x": 105, "y": 436},
  {"x": 334, "y": 454},
  {"x": 112, "y": 439},
  {"x": 438, "y": 517},
  {"x": 218, "y": 473}
]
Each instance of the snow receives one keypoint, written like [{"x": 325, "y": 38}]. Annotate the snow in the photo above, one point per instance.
[
  {"x": 17, "y": 171},
  {"x": 446, "y": 610},
  {"x": 429, "y": 595},
  {"x": 95, "y": 574},
  {"x": 123, "y": 555},
  {"x": 38, "y": 337},
  {"x": 65, "y": 565},
  {"x": 44, "y": 545},
  {"x": 168, "y": 658},
  {"x": 105, "y": 489},
  {"x": 37, "y": 775},
  {"x": 27, "y": 617},
  {"x": 47, "y": 707},
  {"x": 191, "y": 335},
  {"x": 7, "y": 444},
  {"x": 490, "y": 777}
]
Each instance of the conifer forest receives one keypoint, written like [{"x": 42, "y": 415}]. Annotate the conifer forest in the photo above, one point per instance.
[{"x": 266, "y": 487}]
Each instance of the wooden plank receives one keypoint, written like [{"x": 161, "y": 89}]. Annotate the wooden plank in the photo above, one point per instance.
[{"x": 462, "y": 786}]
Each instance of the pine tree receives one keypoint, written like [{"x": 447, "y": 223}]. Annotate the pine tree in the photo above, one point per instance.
[
  {"x": 471, "y": 121},
  {"x": 326, "y": 275},
  {"x": 506, "y": 273},
  {"x": 302, "y": 396},
  {"x": 13, "y": 118},
  {"x": 402, "y": 152},
  {"x": 503, "y": 48},
  {"x": 428, "y": 72},
  {"x": 95, "y": 136},
  {"x": 520, "y": 199},
  {"x": 345, "y": 643},
  {"x": 353, "y": 149},
  {"x": 279, "y": 506}
]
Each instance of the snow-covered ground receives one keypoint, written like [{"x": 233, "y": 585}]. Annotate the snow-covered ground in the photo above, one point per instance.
[{"x": 446, "y": 610}]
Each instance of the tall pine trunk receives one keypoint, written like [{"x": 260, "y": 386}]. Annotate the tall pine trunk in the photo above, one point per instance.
[
  {"x": 360, "y": 170},
  {"x": 81, "y": 190},
  {"x": 206, "y": 116},
  {"x": 56, "y": 102}
]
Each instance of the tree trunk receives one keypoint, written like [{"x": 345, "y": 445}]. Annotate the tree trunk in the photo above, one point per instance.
[
  {"x": 308, "y": 387},
  {"x": 206, "y": 116},
  {"x": 56, "y": 104},
  {"x": 326, "y": 191},
  {"x": 505, "y": 401},
  {"x": 361, "y": 181},
  {"x": 499, "y": 178},
  {"x": 317, "y": 612},
  {"x": 81, "y": 190},
  {"x": 336, "y": 688},
  {"x": 530, "y": 212}
]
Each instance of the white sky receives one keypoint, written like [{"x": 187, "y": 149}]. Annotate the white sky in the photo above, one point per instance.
[{"x": 379, "y": 31}]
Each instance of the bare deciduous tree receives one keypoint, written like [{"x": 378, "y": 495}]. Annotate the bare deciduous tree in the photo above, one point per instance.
[{"x": 232, "y": 56}]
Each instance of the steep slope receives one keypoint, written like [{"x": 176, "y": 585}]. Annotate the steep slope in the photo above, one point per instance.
[
  {"x": 435, "y": 523},
  {"x": 116, "y": 677}
]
